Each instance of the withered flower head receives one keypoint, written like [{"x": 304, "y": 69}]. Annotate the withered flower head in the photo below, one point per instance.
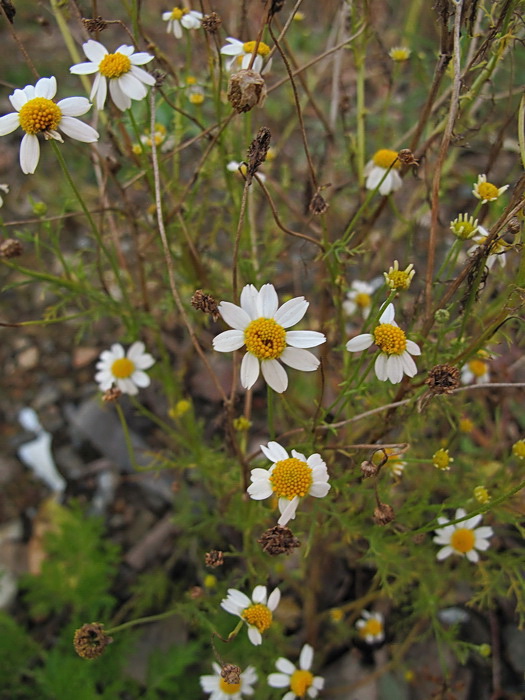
[
  {"x": 443, "y": 379},
  {"x": 195, "y": 592},
  {"x": 383, "y": 514},
  {"x": 205, "y": 303},
  {"x": 258, "y": 149},
  {"x": 91, "y": 640},
  {"x": 369, "y": 469},
  {"x": 231, "y": 674},
  {"x": 111, "y": 395},
  {"x": 11, "y": 248},
  {"x": 92, "y": 26},
  {"x": 514, "y": 225},
  {"x": 246, "y": 89},
  {"x": 214, "y": 558},
  {"x": 406, "y": 156},
  {"x": 276, "y": 6},
  {"x": 211, "y": 22},
  {"x": 318, "y": 204},
  {"x": 278, "y": 540}
]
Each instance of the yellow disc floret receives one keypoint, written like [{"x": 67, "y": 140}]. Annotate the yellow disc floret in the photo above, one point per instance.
[
  {"x": 39, "y": 114},
  {"x": 259, "y": 616},
  {"x": 229, "y": 688},
  {"x": 463, "y": 540},
  {"x": 481, "y": 494},
  {"x": 372, "y": 628},
  {"x": 518, "y": 449},
  {"x": 300, "y": 681},
  {"x": 113, "y": 65},
  {"x": 263, "y": 49},
  {"x": 363, "y": 300},
  {"x": 291, "y": 477},
  {"x": 385, "y": 158},
  {"x": 390, "y": 339},
  {"x": 122, "y": 368},
  {"x": 478, "y": 367},
  {"x": 487, "y": 191},
  {"x": 442, "y": 460},
  {"x": 178, "y": 13},
  {"x": 265, "y": 339}
]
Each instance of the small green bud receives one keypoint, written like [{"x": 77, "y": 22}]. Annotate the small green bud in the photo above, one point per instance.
[
  {"x": 442, "y": 316},
  {"x": 485, "y": 650},
  {"x": 39, "y": 208}
]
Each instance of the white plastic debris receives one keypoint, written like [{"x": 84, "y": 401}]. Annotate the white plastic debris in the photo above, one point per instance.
[{"x": 37, "y": 454}]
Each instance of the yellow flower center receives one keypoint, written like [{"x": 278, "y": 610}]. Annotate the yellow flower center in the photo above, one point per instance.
[
  {"x": 399, "y": 279},
  {"x": 265, "y": 339},
  {"x": 518, "y": 449},
  {"x": 196, "y": 98},
  {"x": 229, "y": 688},
  {"x": 39, "y": 114},
  {"x": 178, "y": 13},
  {"x": 477, "y": 367},
  {"x": 122, "y": 368},
  {"x": 481, "y": 494},
  {"x": 259, "y": 616},
  {"x": 373, "y": 628},
  {"x": 390, "y": 339},
  {"x": 400, "y": 53},
  {"x": 300, "y": 681},
  {"x": 385, "y": 158},
  {"x": 466, "y": 425},
  {"x": 487, "y": 191},
  {"x": 362, "y": 299},
  {"x": 263, "y": 49},
  {"x": 291, "y": 477},
  {"x": 113, "y": 65},
  {"x": 441, "y": 460},
  {"x": 463, "y": 540}
]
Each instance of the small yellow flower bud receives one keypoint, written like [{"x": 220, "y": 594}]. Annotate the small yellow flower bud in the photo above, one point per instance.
[
  {"x": 518, "y": 449},
  {"x": 441, "y": 460},
  {"x": 481, "y": 494}
]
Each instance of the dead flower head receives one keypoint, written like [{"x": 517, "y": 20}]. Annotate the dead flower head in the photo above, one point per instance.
[
  {"x": 112, "y": 394},
  {"x": 406, "y": 156},
  {"x": 443, "y": 379},
  {"x": 278, "y": 540},
  {"x": 211, "y": 23},
  {"x": 205, "y": 303},
  {"x": 318, "y": 204},
  {"x": 231, "y": 674},
  {"x": 92, "y": 26},
  {"x": 90, "y": 640},
  {"x": 246, "y": 90},
  {"x": 258, "y": 149},
  {"x": 11, "y": 248},
  {"x": 214, "y": 558},
  {"x": 383, "y": 514}
]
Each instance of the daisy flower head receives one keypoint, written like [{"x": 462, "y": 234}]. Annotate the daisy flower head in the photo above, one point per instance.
[
  {"x": 399, "y": 54},
  {"x": 220, "y": 689},
  {"x": 395, "y": 358},
  {"x": 370, "y": 627},
  {"x": 394, "y": 464},
  {"x": 476, "y": 371},
  {"x": 383, "y": 164},
  {"x": 125, "y": 370},
  {"x": 301, "y": 681},
  {"x": 442, "y": 460},
  {"x": 486, "y": 191},
  {"x": 289, "y": 478},
  {"x": 37, "y": 113},
  {"x": 359, "y": 297},
  {"x": 257, "y": 612},
  {"x": 120, "y": 69},
  {"x": 178, "y": 17},
  {"x": 498, "y": 247},
  {"x": 481, "y": 494},
  {"x": 399, "y": 279},
  {"x": 462, "y": 538},
  {"x": 518, "y": 449},
  {"x": 242, "y": 52},
  {"x": 464, "y": 226},
  {"x": 260, "y": 324}
]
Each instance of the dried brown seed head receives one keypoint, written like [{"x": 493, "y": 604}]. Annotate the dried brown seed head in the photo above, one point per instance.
[
  {"x": 278, "y": 540},
  {"x": 406, "y": 156},
  {"x": 111, "y": 395},
  {"x": 90, "y": 640},
  {"x": 369, "y": 469},
  {"x": 383, "y": 514},
  {"x": 92, "y": 26},
  {"x": 258, "y": 149},
  {"x": 514, "y": 226},
  {"x": 205, "y": 303},
  {"x": 246, "y": 90},
  {"x": 231, "y": 674},
  {"x": 11, "y": 248},
  {"x": 443, "y": 379},
  {"x": 214, "y": 558},
  {"x": 276, "y": 6},
  {"x": 211, "y": 22},
  {"x": 318, "y": 204}
]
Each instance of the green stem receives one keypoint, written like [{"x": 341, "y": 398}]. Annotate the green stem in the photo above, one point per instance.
[
  {"x": 127, "y": 437},
  {"x": 143, "y": 620}
]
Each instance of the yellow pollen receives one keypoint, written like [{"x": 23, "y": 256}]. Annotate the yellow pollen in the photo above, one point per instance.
[
  {"x": 113, "y": 65},
  {"x": 372, "y": 628},
  {"x": 463, "y": 540},
  {"x": 362, "y": 300},
  {"x": 178, "y": 13},
  {"x": 291, "y": 477},
  {"x": 386, "y": 158},
  {"x": 487, "y": 191},
  {"x": 263, "y": 49},
  {"x": 39, "y": 114},
  {"x": 477, "y": 367},
  {"x": 300, "y": 681},
  {"x": 390, "y": 339},
  {"x": 265, "y": 339},
  {"x": 259, "y": 616},
  {"x": 122, "y": 368},
  {"x": 229, "y": 688}
]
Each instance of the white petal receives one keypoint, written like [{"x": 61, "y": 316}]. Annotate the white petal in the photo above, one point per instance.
[
  {"x": 117, "y": 350},
  {"x": 94, "y": 50},
  {"x": 76, "y": 129},
  {"x": 299, "y": 359},
  {"x": 140, "y": 378},
  {"x": 268, "y": 301},
  {"x": 254, "y": 636},
  {"x": 233, "y": 315},
  {"x": 444, "y": 553},
  {"x": 291, "y": 312},
  {"x": 305, "y": 339},
  {"x": 319, "y": 489},
  {"x": 121, "y": 100},
  {"x": 275, "y": 375},
  {"x": 227, "y": 341},
  {"x": 275, "y": 452},
  {"x": 481, "y": 544},
  {"x": 142, "y": 75},
  {"x": 9, "y": 123},
  {"x": 409, "y": 366},
  {"x": 472, "y": 522},
  {"x": 413, "y": 348},
  {"x": 260, "y": 490},
  {"x": 473, "y": 556},
  {"x": 387, "y": 185},
  {"x": 249, "y": 370},
  {"x": 484, "y": 532},
  {"x": 394, "y": 369},
  {"x": 232, "y": 49},
  {"x": 249, "y": 294},
  {"x": 126, "y": 386},
  {"x": 258, "y": 474},
  {"x": 46, "y": 87},
  {"x": 285, "y": 666},
  {"x": 140, "y": 58},
  {"x": 74, "y": 106},
  {"x": 274, "y": 598},
  {"x": 388, "y": 314},
  {"x": 132, "y": 87},
  {"x": 289, "y": 511},
  {"x": 374, "y": 175},
  {"x": 259, "y": 594},
  {"x": 84, "y": 68},
  {"x": 29, "y": 154},
  {"x": 126, "y": 49},
  {"x": 18, "y": 99},
  {"x": 360, "y": 342},
  {"x": 380, "y": 367},
  {"x": 306, "y": 657},
  {"x": 279, "y": 680},
  {"x": 99, "y": 90}
]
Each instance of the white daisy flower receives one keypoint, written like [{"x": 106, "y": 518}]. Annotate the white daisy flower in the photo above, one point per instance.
[
  {"x": 498, "y": 248},
  {"x": 126, "y": 80},
  {"x": 486, "y": 191},
  {"x": 220, "y": 690},
  {"x": 5, "y": 190},
  {"x": 375, "y": 169},
  {"x": 257, "y": 612},
  {"x": 36, "y": 113},
  {"x": 259, "y": 323},
  {"x": 371, "y": 627},
  {"x": 234, "y": 166},
  {"x": 181, "y": 17},
  {"x": 124, "y": 370},
  {"x": 242, "y": 54},
  {"x": 475, "y": 371},
  {"x": 462, "y": 538},
  {"x": 301, "y": 681},
  {"x": 395, "y": 359},
  {"x": 289, "y": 478},
  {"x": 359, "y": 298}
]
